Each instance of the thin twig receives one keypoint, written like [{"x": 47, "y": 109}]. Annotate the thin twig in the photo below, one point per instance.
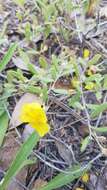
[
  {"x": 68, "y": 147},
  {"x": 86, "y": 111}
]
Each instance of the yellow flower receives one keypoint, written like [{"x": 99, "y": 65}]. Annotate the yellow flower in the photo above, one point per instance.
[
  {"x": 90, "y": 86},
  {"x": 89, "y": 72},
  {"x": 75, "y": 82},
  {"x": 86, "y": 53},
  {"x": 34, "y": 114},
  {"x": 85, "y": 178}
]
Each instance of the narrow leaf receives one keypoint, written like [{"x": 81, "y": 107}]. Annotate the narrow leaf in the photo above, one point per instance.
[
  {"x": 94, "y": 60},
  {"x": 105, "y": 82},
  {"x": 43, "y": 62},
  {"x": 7, "y": 56},
  {"x": 60, "y": 91},
  {"x": 33, "y": 89},
  {"x": 64, "y": 178},
  {"x": 100, "y": 129},
  {"x": 97, "y": 109},
  {"x": 21, "y": 156},
  {"x": 20, "y": 3},
  {"x": 26, "y": 163},
  {"x": 85, "y": 143},
  {"x": 3, "y": 126}
]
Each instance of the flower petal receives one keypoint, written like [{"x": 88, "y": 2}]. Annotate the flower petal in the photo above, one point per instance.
[
  {"x": 42, "y": 129},
  {"x": 34, "y": 114},
  {"x": 86, "y": 53}
]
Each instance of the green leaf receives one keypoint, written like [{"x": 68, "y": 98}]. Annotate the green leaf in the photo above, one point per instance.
[
  {"x": 55, "y": 60},
  {"x": 43, "y": 62},
  {"x": 19, "y": 75},
  {"x": 95, "y": 77},
  {"x": 86, "y": 5},
  {"x": 73, "y": 62},
  {"x": 105, "y": 82},
  {"x": 78, "y": 105},
  {"x": 99, "y": 94},
  {"x": 85, "y": 143},
  {"x": 64, "y": 178},
  {"x": 7, "y": 56},
  {"x": 41, "y": 4},
  {"x": 47, "y": 30},
  {"x": 13, "y": 75},
  {"x": 97, "y": 109},
  {"x": 100, "y": 129},
  {"x": 74, "y": 99},
  {"x": 94, "y": 60},
  {"x": 28, "y": 33},
  {"x": 46, "y": 80},
  {"x": 32, "y": 69},
  {"x": 24, "y": 56},
  {"x": 2, "y": 108},
  {"x": 32, "y": 89},
  {"x": 26, "y": 163},
  {"x": 2, "y": 41},
  {"x": 20, "y": 3},
  {"x": 45, "y": 93},
  {"x": 4, "y": 28},
  {"x": 54, "y": 70},
  {"x": 60, "y": 91},
  {"x": 3, "y": 126},
  {"x": 21, "y": 157}
]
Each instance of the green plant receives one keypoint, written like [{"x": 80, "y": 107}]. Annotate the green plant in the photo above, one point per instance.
[
  {"x": 65, "y": 178},
  {"x": 7, "y": 56},
  {"x": 20, "y": 160}
]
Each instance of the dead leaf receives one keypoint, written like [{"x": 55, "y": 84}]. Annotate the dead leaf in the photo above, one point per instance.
[
  {"x": 104, "y": 151},
  {"x": 63, "y": 84},
  {"x": 83, "y": 130},
  {"x": 102, "y": 139},
  {"x": 21, "y": 65},
  {"x": 8, "y": 151},
  {"x": 15, "y": 186},
  {"x": 39, "y": 183},
  {"x": 26, "y": 98},
  {"x": 64, "y": 152}
]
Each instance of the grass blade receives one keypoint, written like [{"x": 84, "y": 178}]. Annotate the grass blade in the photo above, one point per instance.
[
  {"x": 21, "y": 157},
  {"x": 3, "y": 126},
  {"x": 100, "y": 129},
  {"x": 85, "y": 143},
  {"x": 7, "y": 56},
  {"x": 96, "y": 109},
  {"x": 64, "y": 178},
  {"x": 94, "y": 60}
]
